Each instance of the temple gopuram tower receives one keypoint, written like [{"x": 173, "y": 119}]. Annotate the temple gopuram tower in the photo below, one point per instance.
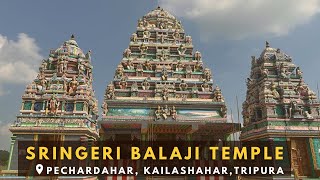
[
  {"x": 59, "y": 104},
  {"x": 281, "y": 107},
  {"x": 161, "y": 89}
]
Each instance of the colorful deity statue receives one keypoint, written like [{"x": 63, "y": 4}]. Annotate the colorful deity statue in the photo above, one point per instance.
[
  {"x": 143, "y": 50},
  {"x": 53, "y": 105},
  {"x": 174, "y": 113},
  {"x": 140, "y": 23},
  {"x": 162, "y": 25},
  {"x": 179, "y": 66},
  {"x": 181, "y": 50},
  {"x": 197, "y": 56},
  {"x": 81, "y": 67},
  {"x": 205, "y": 87},
  {"x": 300, "y": 89},
  {"x": 123, "y": 83},
  {"x": 134, "y": 37},
  {"x": 145, "y": 23},
  {"x": 198, "y": 66},
  {"x": 73, "y": 85},
  {"x": 43, "y": 66},
  {"x": 127, "y": 53},
  {"x": 119, "y": 72},
  {"x": 139, "y": 69},
  {"x": 62, "y": 66},
  {"x": 110, "y": 91},
  {"x": 283, "y": 71},
  {"x": 217, "y": 95},
  {"x": 162, "y": 38},
  {"x": 42, "y": 85},
  {"x": 188, "y": 71},
  {"x": 176, "y": 34},
  {"x": 147, "y": 65},
  {"x": 207, "y": 74},
  {"x": 65, "y": 84},
  {"x": 145, "y": 85},
  {"x": 158, "y": 113},
  {"x": 165, "y": 112},
  {"x": 188, "y": 40},
  {"x": 165, "y": 93},
  {"x": 128, "y": 64},
  {"x": 294, "y": 109},
  {"x": 274, "y": 91},
  {"x": 298, "y": 72},
  {"x": 134, "y": 89},
  {"x": 104, "y": 108},
  {"x": 194, "y": 91},
  {"x": 264, "y": 72},
  {"x": 177, "y": 25},
  {"x": 163, "y": 55},
  {"x": 146, "y": 35},
  {"x": 183, "y": 86},
  {"x": 164, "y": 76}
]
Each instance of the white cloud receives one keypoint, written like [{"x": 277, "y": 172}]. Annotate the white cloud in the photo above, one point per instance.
[
  {"x": 239, "y": 19},
  {"x": 18, "y": 61}
]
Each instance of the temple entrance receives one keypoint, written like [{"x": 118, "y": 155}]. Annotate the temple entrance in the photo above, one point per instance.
[{"x": 300, "y": 161}]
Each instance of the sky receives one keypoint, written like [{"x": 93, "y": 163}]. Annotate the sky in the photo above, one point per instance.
[{"x": 226, "y": 32}]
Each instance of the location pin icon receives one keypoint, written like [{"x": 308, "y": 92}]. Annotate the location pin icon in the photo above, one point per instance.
[{"x": 39, "y": 168}]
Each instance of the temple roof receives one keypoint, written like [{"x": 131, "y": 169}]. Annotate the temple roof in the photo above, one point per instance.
[
  {"x": 270, "y": 53},
  {"x": 276, "y": 91},
  {"x": 159, "y": 18},
  {"x": 62, "y": 90},
  {"x": 70, "y": 47},
  {"x": 161, "y": 70}
]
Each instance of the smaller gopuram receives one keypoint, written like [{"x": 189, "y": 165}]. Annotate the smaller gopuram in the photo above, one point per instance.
[
  {"x": 59, "y": 104},
  {"x": 280, "y": 106},
  {"x": 162, "y": 90}
]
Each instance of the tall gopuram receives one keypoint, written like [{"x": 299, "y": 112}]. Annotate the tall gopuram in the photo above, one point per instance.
[
  {"x": 281, "y": 107},
  {"x": 59, "y": 104},
  {"x": 161, "y": 89}
]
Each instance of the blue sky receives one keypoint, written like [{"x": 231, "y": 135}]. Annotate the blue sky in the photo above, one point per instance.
[{"x": 227, "y": 32}]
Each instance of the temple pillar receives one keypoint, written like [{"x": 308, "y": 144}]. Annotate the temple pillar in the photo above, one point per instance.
[{"x": 13, "y": 140}]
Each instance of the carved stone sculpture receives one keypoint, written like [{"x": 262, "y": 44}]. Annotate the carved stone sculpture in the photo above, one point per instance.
[
  {"x": 207, "y": 74},
  {"x": 147, "y": 65},
  {"x": 73, "y": 85},
  {"x": 139, "y": 70},
  {"x": 179, "y": 66},
  {"x": 110, "y": 91},
  {"x": 197, "y": 56},
  {"x": 127, "y": 53},
  {"x": 145, "y": 85},
  {"x": 123, "y": 83},
  {"x": 53, "y": 105},
  {"x": 119, "y": 72},
  {"x": 183, "y": 86}
]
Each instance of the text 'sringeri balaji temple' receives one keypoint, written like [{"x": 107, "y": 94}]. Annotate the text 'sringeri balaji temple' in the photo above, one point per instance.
[
  {"x": 281, "y": 107},
  {"x": 161, "y": 89},
  {"x": 59, "y": 104}
]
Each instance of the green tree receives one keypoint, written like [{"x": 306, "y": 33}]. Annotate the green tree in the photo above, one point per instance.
[{"x": 4, "y": 157}]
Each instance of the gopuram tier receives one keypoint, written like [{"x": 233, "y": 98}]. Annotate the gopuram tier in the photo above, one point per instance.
[
  {"x": 59, "y": 104},
  {"x": 280, "y": 106},
  {"x": 161, "y": 89}
]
